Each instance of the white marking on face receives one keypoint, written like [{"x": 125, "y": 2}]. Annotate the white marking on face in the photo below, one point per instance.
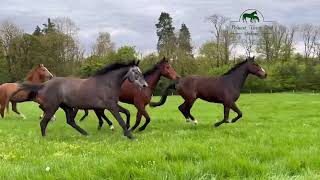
[
  {"x": 263, "y": 70},
  {"x": 138, "y": 69}
]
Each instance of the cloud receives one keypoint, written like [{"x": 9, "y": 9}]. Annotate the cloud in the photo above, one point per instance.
[{"x": 133, "y": 22}]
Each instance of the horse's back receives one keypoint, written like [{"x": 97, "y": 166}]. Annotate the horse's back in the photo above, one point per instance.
[{"x": 206, "y": 88}]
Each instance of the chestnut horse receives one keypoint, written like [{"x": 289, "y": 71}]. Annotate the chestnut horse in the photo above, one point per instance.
[
  {"x": 38, "y": 74},
  {"x": 132, "y": 95},
  {"x": 224, "y": 89}
]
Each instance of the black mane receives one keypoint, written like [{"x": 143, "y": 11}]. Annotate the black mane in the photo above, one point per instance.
[
  {"x": 235, "y": 67},
  {"x": 113, "y": 67},
  {"x": 154, "y": 68}
]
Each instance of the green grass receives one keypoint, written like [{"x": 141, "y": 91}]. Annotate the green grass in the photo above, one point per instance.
[{"x": 277, "y": 138}]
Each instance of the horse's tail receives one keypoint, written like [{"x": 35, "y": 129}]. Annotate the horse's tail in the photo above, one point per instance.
[
  {"x": 164, "y": 95},
  {"x": 32, "y": 88}
]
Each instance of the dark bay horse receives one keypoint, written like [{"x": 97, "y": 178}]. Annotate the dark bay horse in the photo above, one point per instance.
[
  {"x": 132, "y": 95},
  {"x": 100, "y": 91},
  {"x": 224, "y": 89},
  {"x": 37, "y": 75}
]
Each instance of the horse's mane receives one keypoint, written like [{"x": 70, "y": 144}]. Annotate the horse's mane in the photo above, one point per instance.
[
  {"x": 30, "y": 73},
  {"x": 235, "y": 67},
  {"x": 113, "y": 67},
  {"x": 154, "y": 68}
]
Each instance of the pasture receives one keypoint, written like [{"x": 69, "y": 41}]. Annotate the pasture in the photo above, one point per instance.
[{"x": 277, "y": 138}]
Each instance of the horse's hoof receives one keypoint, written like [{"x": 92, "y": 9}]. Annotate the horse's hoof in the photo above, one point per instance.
[
  {"x": 188, "y": 120},
  {"x": 129, "y": 135},
  {"x": 217, "y": 124},
  {"x": 195, "y": 122},
  {"x": 23, "y": 116},
  {"x": 112, "y": 128}
]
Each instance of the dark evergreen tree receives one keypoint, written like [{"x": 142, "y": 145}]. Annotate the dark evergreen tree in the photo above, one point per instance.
[
  {"x": 37, "y": 31},
  {"x": 166, "y": 45},
  {"x": 184, "y": 41}
]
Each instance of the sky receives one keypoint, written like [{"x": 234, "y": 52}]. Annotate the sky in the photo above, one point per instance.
[{"x": 132, "y": 22}]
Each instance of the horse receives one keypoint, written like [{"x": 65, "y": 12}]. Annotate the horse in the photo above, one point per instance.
[
  {"x": 224, "y": 90},
  {"x": 100, "y": 91},
  {"x": 131, "y": 95},
  {"x": 251, "y": 16},
  {"x": 38, "y": 74}
]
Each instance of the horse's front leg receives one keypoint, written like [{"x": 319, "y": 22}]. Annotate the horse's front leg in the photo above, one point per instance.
[
  {"x": 226, "y": 116},
  {"x": 127, "y": 113},
  {"x": 116, "y": 114}
]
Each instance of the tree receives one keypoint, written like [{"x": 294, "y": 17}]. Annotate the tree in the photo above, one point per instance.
[
  {"x": 37, "y": 31},
  {"x": 66, "y": 26},
  {"x": 126, "y": 53},
  {"x": 103, "y": 45},
  {"x": 310, "y": 35},
  {"x": 219, "y": 24},
  {"x": 248, "y": 42},
  {"x": 184, "y": 41},
  {"x": 49, "y": 27},
  {"x": 8, "y": 33},
  {"x": 166, "y": 45}
]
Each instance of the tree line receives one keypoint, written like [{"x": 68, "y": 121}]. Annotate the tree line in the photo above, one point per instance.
[{"x": 55, "y": 44}]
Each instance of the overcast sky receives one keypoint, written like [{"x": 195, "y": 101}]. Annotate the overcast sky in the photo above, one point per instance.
[{"x": 132, "y": 22}]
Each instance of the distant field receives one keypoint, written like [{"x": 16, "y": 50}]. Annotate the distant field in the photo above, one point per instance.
[{"x": 278, "y": 138}]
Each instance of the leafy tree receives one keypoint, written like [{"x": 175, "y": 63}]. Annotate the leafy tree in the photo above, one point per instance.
[{"x": 103, "y": 45}]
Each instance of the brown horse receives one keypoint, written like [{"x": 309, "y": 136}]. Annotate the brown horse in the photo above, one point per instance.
[
  {"x": 224, "y": 89},
  {"x": 38, "y": 74},
  {"x": 132, "y": 95}
]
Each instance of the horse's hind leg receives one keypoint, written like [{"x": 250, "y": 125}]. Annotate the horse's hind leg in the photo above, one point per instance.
[
  {"x": 237, "y": 110},
  {"x": 127, "y": 113},
  {"x": 70, "y": 114},
  {"x": 225, "y": 118},
  {"x": 46, "y": 118},
  {"x": 188, "y": 110},
  {"x": 138, "y": 120},
  {"x": 98, "y": 114},
  {"x": 146, "y": 115},
  {"x": 14, "y": 109},
  {"x": 85, "y": 115},
  {"x": 182, "y": 109},
  {"x": 107, "y": 119}
]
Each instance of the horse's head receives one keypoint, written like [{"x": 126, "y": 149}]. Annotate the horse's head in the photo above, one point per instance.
[
  {"x": 255, "y": 69},
  {"x": 43, "y": 73},
  {"x": 254, "y": 13},
  {"x": 135, "y": 76},
  {"x": 166, "y": 69}
]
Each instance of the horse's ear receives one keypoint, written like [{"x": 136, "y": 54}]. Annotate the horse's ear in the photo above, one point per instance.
[{"x": 137, "y": 63}]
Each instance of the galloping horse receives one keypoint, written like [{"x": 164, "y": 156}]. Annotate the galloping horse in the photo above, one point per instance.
[
  {"x": 100, "y": 91},
  {"x": 224, "y": 89},
  {"x": 38, "y": 74},
  {"x": 132, "y": 95}
]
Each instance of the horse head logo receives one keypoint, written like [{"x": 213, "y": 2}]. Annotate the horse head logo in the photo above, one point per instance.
[{"x": 252, "y": 15}]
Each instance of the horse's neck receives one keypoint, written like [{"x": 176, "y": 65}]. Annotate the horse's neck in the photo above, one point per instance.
[
  {"x": 35, "y": 79},
  {"x": 238, "y": 77},
  {"x": 116, "y": 76},
  {"x": 153, "y": 79}
]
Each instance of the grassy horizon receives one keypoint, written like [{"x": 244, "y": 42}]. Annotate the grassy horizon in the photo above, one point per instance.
[{"x": 277, "y": 138}]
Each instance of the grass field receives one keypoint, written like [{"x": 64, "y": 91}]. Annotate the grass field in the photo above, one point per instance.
[{"x": 278, "y": 138}]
